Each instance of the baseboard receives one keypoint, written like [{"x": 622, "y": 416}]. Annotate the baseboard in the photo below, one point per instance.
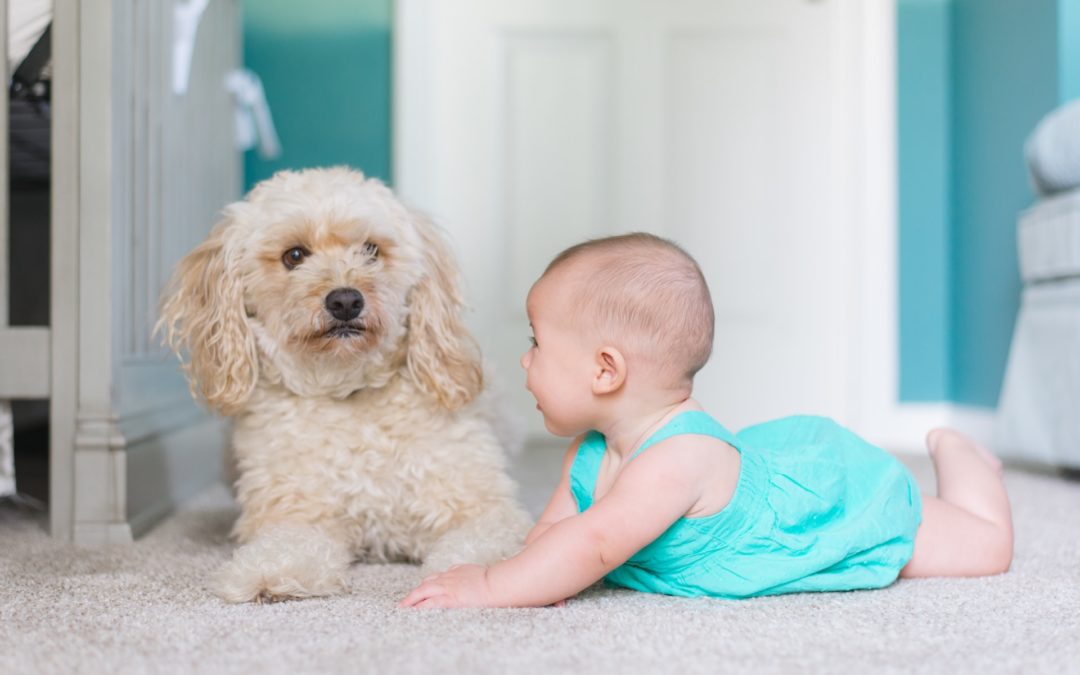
[
  {"x": 974, "y": 421},
  {"x": 166, "y": 469},
  {"x": 149, "y": 515},
  {"x": 903, "y": 428},
  {"x": 102, "y": 534}
]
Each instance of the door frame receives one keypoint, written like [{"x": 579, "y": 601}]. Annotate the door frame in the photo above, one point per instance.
[{"x": 867, "y": 157}]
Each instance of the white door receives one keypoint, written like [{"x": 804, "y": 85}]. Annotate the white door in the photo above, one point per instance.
[{"x": 524, "y": 126}]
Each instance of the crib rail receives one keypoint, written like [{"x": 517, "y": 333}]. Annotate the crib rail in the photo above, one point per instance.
[
  {"x": 24, "y": 351},
  {"x": 5, "y": 225},
  {"x": 27, "y": 370},
  {"x": 137, "y": 176}
]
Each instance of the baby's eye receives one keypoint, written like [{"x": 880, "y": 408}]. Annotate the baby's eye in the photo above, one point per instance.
[
  {"x": 371, "y": 249},
  {"x": 532, "y": 341}
]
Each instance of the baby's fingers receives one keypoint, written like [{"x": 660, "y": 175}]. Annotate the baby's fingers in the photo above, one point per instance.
[
  {"x": 435, "y": 575},
  {"x": 437, "y": 602},
  {"x": 422, "y": 592}
]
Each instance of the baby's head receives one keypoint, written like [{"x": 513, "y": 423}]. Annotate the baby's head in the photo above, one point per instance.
[{"x": 642, "y": 294}]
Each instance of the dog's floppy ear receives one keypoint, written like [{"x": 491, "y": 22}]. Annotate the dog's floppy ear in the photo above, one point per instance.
[
  {"x": 443, "y": 358},
  {"x": 202, "y": 312}
]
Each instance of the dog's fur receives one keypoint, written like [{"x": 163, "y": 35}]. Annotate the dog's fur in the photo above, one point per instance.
[{"x": 373, "y": 442}]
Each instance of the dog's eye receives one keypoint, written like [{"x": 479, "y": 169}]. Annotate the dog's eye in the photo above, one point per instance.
[
  {"x": 371, "y": 249},
  {"x": 294, "y": 256}
]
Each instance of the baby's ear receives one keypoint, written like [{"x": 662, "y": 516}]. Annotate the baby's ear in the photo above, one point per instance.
[
  {"x": 202, "y": 313},
  {"x": 610, "y": 371},
  {"x": 443, "y": 357}
]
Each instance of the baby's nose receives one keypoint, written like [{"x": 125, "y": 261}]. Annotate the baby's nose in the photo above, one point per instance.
[{"x": 525, "y": 359}]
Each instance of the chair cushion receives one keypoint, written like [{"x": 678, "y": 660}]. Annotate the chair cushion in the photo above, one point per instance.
[
  {"x": 1053, "y": 151},
  {"x": 1048, "y": 238}
]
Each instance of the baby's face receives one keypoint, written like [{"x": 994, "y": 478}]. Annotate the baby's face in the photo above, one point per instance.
[{"x": 559, "y": 364}]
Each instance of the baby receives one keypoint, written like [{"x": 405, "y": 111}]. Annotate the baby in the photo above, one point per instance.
[{"x": 657, "y": 496}]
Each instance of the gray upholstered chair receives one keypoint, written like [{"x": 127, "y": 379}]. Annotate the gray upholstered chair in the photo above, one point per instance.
[{"x": 1039, "y": 411}]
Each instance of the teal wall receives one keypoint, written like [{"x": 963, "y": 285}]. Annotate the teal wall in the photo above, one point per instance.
[
  {"x": 326, "y": 69},
  {"x": 1005, "y": 61},
  {"x": 999, "y": 64},
  {"x": 1069, "y": 48},
  {"x": 924, "y": 125}
]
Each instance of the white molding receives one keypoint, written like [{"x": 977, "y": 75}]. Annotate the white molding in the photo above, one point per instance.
[
  {"x": 192, "y": 457},
  {"x": 102, "y": 534},
  {"x": 64, "y": 265},
  {"x": 412, "y": 113},
  {"x": 977, "y": 422},
  {"x": 903, "y": 428},
  {"x": 875, "y": 386},
  {"x": 100, "y": 497},
  {"x": 877, "y": 412},
  {"x": 144, "y": 520},
  {"x": 24, "y": 361},
  {"x": 160, "y": 421}
]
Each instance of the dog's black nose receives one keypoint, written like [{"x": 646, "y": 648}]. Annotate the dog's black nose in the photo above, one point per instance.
[{"x": 344, "y": 304}]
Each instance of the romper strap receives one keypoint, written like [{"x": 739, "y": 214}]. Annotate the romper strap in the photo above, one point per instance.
[
  {"x": 585, "y": 467},
  {"x": 590, "y": 453},
  {"x": 690, "y": 422}
]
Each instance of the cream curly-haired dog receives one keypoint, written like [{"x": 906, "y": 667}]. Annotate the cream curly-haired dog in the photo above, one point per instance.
[{"x": 324, "y": 317}]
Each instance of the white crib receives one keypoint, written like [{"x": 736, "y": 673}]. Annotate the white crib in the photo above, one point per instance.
[{"x": 138, "y": 174}]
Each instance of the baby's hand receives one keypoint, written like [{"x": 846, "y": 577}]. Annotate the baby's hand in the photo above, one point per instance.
[{"x": 459, "y": 586}]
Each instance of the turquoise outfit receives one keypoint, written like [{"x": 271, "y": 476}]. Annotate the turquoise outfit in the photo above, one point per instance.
[{"x": 816, "y": 508}]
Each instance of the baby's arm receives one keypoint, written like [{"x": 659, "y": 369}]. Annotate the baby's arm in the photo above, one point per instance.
[
  {"x": 651, "y": 493},
  {"x": 562, "y": 504}
]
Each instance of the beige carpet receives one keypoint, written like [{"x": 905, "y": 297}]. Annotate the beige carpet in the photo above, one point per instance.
[{"x": 144, "y": 608}]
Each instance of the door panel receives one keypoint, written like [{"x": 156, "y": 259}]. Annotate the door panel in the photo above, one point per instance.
[{"x": 713, "y": 123}]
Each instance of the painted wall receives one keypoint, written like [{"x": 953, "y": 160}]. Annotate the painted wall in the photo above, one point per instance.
[
  {"x": 1069, "y": 48},
  {"x": 924, "y": 121},
  {"x": 1005, "y": 61},
  {"x": 325, "y": 66},
  {"x": 975, "y": 76}
]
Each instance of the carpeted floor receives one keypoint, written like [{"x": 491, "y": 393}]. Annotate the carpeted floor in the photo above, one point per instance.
[{"x": 144, "y": 608}]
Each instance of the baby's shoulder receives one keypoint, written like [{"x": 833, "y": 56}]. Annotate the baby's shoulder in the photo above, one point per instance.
[
  {"x": 691, "y": 450},
  {"x": 704, "y": 466},
  {"x": 698, "y": 442}
]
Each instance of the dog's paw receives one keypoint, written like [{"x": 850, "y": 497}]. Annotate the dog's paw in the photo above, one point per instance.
[
  {"x": 237, "y": 584},
  {"x": 284, "y": 563},
  {"x": 488, "y": 538}
]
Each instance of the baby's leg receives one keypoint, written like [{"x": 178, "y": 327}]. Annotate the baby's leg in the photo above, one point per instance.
[{"x": 967, "y": 529}]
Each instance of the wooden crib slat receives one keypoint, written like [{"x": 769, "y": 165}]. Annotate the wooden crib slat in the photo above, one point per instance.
[{"x": 5, "y": 212}]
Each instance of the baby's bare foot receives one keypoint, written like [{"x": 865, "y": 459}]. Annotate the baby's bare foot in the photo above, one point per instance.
[{"x": 944, "y": 438}]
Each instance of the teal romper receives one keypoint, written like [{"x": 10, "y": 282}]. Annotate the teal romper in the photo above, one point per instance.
[{"x": 816, "y": 508}]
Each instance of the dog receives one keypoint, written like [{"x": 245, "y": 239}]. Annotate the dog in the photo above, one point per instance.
[{"x": 325, "y": 318}]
